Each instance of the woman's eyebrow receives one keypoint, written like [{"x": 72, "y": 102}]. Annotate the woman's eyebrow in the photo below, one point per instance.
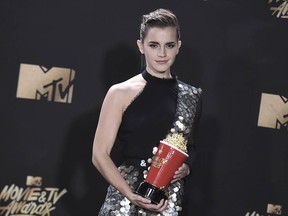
[{"x": 155, "y": 42}]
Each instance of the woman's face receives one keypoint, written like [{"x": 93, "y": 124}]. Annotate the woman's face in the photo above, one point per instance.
[{"x": 160, "y": 48}]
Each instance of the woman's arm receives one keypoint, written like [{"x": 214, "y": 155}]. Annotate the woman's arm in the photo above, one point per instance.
[{"x": 107, "y": 128}]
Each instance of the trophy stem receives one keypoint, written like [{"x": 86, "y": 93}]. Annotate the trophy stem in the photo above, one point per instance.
[{"x": 151, "y": 192}]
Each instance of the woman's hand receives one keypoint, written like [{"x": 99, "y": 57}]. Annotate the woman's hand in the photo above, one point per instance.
[
  {"x": 181, "y": 173},
  {"x": 146, "y": 203}
]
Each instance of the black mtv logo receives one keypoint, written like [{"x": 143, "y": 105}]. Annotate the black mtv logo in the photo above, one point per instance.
[
  {"x": 39, "y": 83},
  {"x": 273, "y": 112}
]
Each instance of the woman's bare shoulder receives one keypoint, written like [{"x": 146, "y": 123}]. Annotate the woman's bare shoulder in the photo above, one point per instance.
[
  {"x": 121, "y": 94},
  {"x": 131, "y": 85}
]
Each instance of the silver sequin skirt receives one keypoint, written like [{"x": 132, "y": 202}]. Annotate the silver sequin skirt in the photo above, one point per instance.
[{"x": 117, "y": 205}]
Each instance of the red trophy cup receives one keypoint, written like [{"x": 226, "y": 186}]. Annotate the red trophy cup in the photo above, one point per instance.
[{"x": 170, "y": 155}]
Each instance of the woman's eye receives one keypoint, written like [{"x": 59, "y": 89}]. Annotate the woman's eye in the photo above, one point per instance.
[
  {"x": 153, "y": 45},
  {"x": 171, "y": 46}
]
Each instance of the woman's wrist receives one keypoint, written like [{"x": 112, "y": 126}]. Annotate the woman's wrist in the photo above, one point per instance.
[{"x": 130, "y": 195}]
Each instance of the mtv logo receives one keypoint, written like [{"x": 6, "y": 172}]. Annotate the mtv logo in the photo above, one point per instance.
[
  {"x": 274, "y": 209},
  {"x": 34, "y": 181},
  {"x": 39, "y": 83},
  {"x": 273, "y": 111}
]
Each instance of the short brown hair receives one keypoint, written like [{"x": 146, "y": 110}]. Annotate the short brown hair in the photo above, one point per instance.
[{"x": 159, "y": 18}]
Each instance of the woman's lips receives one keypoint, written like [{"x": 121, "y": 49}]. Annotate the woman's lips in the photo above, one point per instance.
[{"x": 162, "y": 61}]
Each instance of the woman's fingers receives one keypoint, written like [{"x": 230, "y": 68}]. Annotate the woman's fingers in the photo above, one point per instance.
[
  {"x": 164, "y": 206},
  {"x": 142, "y": 199},
  {"x": 161, "y": 206},
  {"x": 182, "y": 172},
  {"x": 146, "y": 203}
]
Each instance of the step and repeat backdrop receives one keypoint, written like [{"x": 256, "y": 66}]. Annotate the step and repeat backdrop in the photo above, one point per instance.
[{"x": 58, "y": 59}]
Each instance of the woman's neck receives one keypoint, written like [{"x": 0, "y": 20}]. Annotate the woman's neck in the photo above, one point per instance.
[{"x": 162, "y": 75}]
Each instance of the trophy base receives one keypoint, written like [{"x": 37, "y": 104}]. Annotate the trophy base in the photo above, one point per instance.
[{"x": 151, "y": 192}]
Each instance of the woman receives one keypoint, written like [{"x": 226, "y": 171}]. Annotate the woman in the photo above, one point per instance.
[{"x": 139, "y": 112}]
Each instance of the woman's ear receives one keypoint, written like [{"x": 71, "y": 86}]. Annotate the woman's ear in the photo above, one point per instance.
[
  {"x": 140, "y": 46},
  {"x": 179, "y": 45}
]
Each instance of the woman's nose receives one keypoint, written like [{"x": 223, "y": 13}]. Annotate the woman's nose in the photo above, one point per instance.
[{"x": 162, "y": 52}]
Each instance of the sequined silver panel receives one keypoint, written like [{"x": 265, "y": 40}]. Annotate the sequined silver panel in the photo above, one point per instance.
[
  {"x": 187, "y": 102},
  {"x": 117, "y": 205}
]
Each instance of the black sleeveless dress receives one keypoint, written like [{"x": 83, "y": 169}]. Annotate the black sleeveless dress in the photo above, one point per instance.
[{"x": 145, "y": 122}]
